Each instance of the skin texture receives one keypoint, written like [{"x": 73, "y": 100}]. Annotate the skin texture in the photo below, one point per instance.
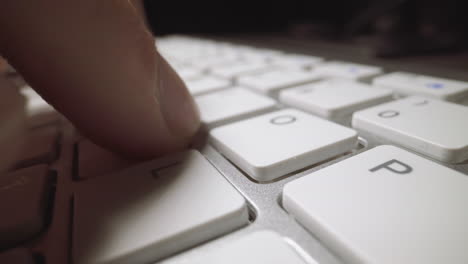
[
  {"x": 12, "y": 122},
  {"x": 96, "y": 62}
]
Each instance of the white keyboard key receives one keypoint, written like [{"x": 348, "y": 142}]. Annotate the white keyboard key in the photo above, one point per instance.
[
  {"x": 180, "y": 68},
  {"x": 385, "y": 206},
  {"x": 39, "y": 112},
  {"x": 334, "y": 99},
  {"x": 414, "y": 84},
  {"x": 268, "y": 52},
  {"x": 38, "y": 106},
  {"x": 260, "y": 247},
  {"x": 272, "y": 145},
  {"x": 148, "y": 212},
  {"x": 213, "y": 62},
  {"x": 270, "y": 81},
  {"x": 188, "y": 74},
  {"x": 206, "y": 84},
  {"x": 231, "y": 105},
  {"x": 35, "y": 104},
  {"x": 175, "y": 63},
  {"x": 296, "y": 61},
  {"x": 256, "y": 56},
  {"x": 431, "y": 127},
  {"x": 346, "y": 70},
  {"x": 239, "y": 68},
  {"x": 186, "y": 53}
]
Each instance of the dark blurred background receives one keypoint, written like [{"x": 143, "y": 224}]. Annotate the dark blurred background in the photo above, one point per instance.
[{"x": 393, "y": 28}]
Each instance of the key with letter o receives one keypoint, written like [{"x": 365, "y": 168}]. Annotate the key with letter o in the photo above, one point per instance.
[
  {"x": 272, "y": 145},
  {"x": 431, "y": 127}
]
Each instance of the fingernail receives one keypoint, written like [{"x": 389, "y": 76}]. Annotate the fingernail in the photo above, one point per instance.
[{"x": 177, "y": 105}]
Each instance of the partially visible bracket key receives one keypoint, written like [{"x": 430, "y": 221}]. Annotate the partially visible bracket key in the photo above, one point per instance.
[{"x": 152, "y": 210}]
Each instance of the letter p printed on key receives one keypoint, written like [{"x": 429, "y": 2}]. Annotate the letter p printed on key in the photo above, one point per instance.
[{"x": 394, "y": 166}]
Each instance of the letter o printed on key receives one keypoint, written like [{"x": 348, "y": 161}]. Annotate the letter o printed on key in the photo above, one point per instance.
[
  {"x": 283, "y": 120},
  {"x": 389, "y": 114}
]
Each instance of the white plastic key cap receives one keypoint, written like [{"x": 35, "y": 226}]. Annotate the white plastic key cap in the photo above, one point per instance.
[
  {"x": 239, "y": 68},
  {"x": 272, "y": 145},
  {"x": 188, "y": 74},
  {"x": 148, "y": 212},
  {"x": 385, "y": 206},
  {"x": 231, "y": 105},
  {"x": 255, "y": 248},
  {"x": 414, "y": 84},
  {"x": 259, "y": 55},
  {"x": 270, "y": 81},
  {"x": 296, "y": 61},
  {"x": 334, "y": 99},
  {"x": 431, "y": 127},
  {"x": 175, "y": 63},
  {"x": 213, "y": 62},
  {"x": 206, "y": 84},
  {"x": 346, "y": 70},
  {"x": 35, "y": 104}
]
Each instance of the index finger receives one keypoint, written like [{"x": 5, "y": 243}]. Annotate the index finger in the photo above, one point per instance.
[{"x": 96, "y": 62}]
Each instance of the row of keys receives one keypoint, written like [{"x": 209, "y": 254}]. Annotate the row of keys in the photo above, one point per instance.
[
  {"x": 110, "y": 245},
  {"x": 114, "y": 228},
  {"x": 237, "y": 69},
  {"x": 268, "y": 80},
  {"x": 272, "y": 145},
  {"x": 271, "y": 81},
  {"x": 296, "y": 61},
  {"x": 243, "y": 65},
  {"x": 414, "y": 84},
  {"x": 385, "y": 205},
  {"x": 346, "y": 70},
  {"x": 334, "y": 99},
  {"x": 194, "y": 52}
]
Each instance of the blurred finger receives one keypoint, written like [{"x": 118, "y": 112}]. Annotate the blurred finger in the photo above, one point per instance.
[
  {"x": 96, "y": 62},
  {"x": 12, "y": 123}
]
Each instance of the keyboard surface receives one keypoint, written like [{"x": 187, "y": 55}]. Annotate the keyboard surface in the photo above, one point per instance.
[{"x": 301, "y": 159}]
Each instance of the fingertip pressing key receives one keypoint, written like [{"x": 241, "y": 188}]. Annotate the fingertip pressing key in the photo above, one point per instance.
[{"x": 102, "y": 72}]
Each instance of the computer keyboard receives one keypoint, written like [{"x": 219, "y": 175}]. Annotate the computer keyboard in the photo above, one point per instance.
[{"x": 299, "y": 160}]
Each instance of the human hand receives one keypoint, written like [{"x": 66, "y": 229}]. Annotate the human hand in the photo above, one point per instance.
[{"x": 95, "y": 62}]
